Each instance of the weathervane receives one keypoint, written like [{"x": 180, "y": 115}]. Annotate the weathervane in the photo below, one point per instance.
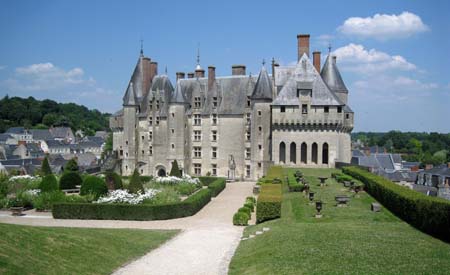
[
  {"x": 142, "y": 46},
  {"x": 329, "y": 47},
  {"x": 198, "y": 54},
  {"x": 264, "y": 62}
]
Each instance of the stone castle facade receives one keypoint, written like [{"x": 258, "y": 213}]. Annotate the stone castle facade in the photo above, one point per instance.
[{"x": 234, "y": 126}]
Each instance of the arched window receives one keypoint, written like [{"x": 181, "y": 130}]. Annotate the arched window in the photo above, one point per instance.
[
  {"x": 282, "y": 152},
  {"x": 293, "y": 153},
  {"x": 325, "y": 153},
  {"x": 304, "y": 153},
  {"x": 314, "y": 153}
]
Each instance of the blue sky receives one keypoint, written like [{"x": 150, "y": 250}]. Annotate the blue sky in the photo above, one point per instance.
[{"x": 393, "y": 55}]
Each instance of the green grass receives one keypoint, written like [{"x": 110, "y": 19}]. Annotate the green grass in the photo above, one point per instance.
[
  {"x": 53, "y": 250},
  {"x": 347, "y": 240}
]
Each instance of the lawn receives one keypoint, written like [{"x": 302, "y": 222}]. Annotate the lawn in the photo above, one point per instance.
[
  {"x": 53, "y": 250},
  {"x": 347, "y": 240}
]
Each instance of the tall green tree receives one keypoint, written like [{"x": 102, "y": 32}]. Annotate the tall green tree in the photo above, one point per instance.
[
  {"x": 175, "y": 171},
  {"x": 45, "y": 168},
  {"x": 135, "y": 183}
]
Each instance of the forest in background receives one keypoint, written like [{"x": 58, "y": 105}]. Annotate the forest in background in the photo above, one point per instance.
[
  {"x": 428, "y": 148},
  {"x": 42, "y": 114}
]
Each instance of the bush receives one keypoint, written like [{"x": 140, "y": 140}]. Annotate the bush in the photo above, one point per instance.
[
  {"x": 70, "y": 180},
  {"x": 429, "y": 214},
  {"x": 206, "y": 181},
  {"x": 250, "y": 206},
  {"x": 293, "y": 185},
  {"x": 251, "y": 199},
  {"x": 175, "y": 171},
  {"x": 342, "y": 178},
  {"x": 240, "y": 218},
  {"x": 268, "y": 205},
  {"x": 146, "y": 179},
  {"x": 45, "y": 167},
  {"x": 113, "y": 181},
  {"x": 48, "y": 184},
  {"x": 93, "y": 185},
  {"x": 71, "y": 166},
  {"x": 274, "y": 172},
  {"x": 46, "y": 200},
  {"x": 246, "y": 210},
  {"x": 140, "y": 212},
  {"x": 217, "y": 186},
  {"x": 185, "y": 188},
  {"x": 135, "y": 183},
  {"x": 166, "y": 196}
]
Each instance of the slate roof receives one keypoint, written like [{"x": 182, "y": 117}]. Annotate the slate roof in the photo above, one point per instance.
[
  {"x": 5, "y": 137},
  {"x": 332, "y": 77},
  {"x": 357, "y": 153},
  {"x": 41, "y": 134},
  {"x": 177, "y": 95},
  {"x": 385, "y": 161},
  {"x": 263, "y": 87},
  {"x": 304, "y": 77},
  {"x": 15, "y": 130},
  {"x": 97, "y": 140},
  {"x": 398, "y": 176},
  {"x": 130, "y": 99},
  {"x": 60, "y": 132},
  {"x": 440, "y": 170},
  {"x": 56, "y": 143}
]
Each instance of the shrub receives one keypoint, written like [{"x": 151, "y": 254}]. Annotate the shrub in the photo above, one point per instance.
[
  {"x": 188, "y": 207},
  {"x": 217, "y": 186},
  {"x": 135, "y": 183},
  {"x": 268, "y": 205},
  {"x": 342, "y": 178},
  {"x": 429, "y": 214},
  {"x": 166, "y": 196},
  {"x": 206, "y": 181},
  {"x": 93, "y": 185},
  {"x": 113, "y": 181},
  {"x": 293, "y": 185},
  {"x": 146, "y": 179},
  {"x": 185, "y": 188},
  {"x": 175, "y": 171},
  {"x": 46, "y": 200},
  {"x": 45, "y": 168},
  {"x": 274, "y": 172},
  {"x": 250, "y": 198},
  {"x": 71, "y": 166},
  {"x": 246, "y": 210},
  {"x": 48, "y": 184},
  {"x": 250, "y": 206},
  {"x": 70, "y": 180},
  {"x": 240, "y": 218}
]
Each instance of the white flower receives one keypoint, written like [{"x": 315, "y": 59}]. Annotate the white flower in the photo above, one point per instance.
[
  {"x": 24, "y": 177},
  {"x": 33, "y": 192},
  {"x": 122, "y": 196},
  {"x": 176, "y": 180}
]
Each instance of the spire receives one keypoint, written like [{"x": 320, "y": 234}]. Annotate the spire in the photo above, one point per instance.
[
  {"x": 198, "y": 67},
  {"x": 263, "y": 87},
  {"x": 330, "y": 74},
  {"x": 142, "y": 47},
  {"x": 177, "y": 96},
  {"x": 165, "y": 70},
  {"x": 130, "y": 99}
]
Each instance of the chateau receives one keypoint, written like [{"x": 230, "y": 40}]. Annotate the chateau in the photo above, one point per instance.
[{"x": 234, "y": 126}]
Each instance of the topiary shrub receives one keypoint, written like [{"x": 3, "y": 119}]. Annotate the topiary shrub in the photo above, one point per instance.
[
  {"x": 70, "y": 180},
  {"x": 250, "y": 205},
  {"x": 135, "y": 183},
  {"x": 48, "y": 184},
  {"x": 175, "y": 171},
  {"x": 246, "y": 210},
  {"x": 71, "y": 165},
  {"x": 93, "y": 185},
  {"x": 45, "y": 168},
  {"x": 240, "y": 218},
  {"x": 113, "y": 181},
  {"x": 250, "y": 198}
]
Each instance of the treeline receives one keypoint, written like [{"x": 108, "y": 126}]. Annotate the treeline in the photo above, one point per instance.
[
  {"x": 32, "y": 113},
  {"x": 428, "y": 148}
]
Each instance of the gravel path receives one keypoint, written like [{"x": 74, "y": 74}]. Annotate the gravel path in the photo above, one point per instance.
[{"x": 205, "y": 245}]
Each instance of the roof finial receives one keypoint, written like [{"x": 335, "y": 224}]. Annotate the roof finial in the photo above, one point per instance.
[
  {"x": 198, "y": 54},
  {"x": 165, "y": 70},
  {"x": 329, "y": 48},
  {"x": 264, "y": 62},
  {"x": 142, "y": 46}
]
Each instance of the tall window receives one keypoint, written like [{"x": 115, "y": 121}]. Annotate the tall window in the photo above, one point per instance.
[
  {"x": 293, "y": 153},
  {"x": 214, "y": 135},
  {"x": 247, "y": 170},
  {"x": 215, "y": 101},
  {"x": 247, "y": 153},
  {"x": 150, "y": 121},
  {"x": 304, "y": 108},
  {"x": 247, "y": 136},
  {"x": 248, "y": 117},
  {"x": 197, "y": 135},
  {"x": 326, "y": 109},
  {"x": 304, "y": 153},
  {"x": 197, "y": 102},
  {"x": 150, "y": 150},
  {"x": 150, "y": 136},
  {"x": 197, "y": 152},
  {"x": 214, "y": 169},
  {"x": 197, "y": 119},
  {"x": 197, "y": 169},
  {"x": 248, "y": 101},
  {"x": 214, "y": 119},
  {"x": 214, "y": 152},
  {"x": 157, "y": 120},
  {"x": 282, "y": 152},
  {"x": 314, "y": 153},
  {"x": 283, "y": 109},
  {"x": 339, "y": 109},
  {"x": 157, "y": 105},
  {"x": 325, "y": 153}
]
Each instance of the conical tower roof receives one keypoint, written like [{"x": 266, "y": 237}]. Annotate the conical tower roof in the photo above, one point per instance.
[
  {"x": 177, "y": 95},
  {"x": 130, "y": 98},
  {"x": 263, "y": 87},
  {"x": 330, "y": 74}
]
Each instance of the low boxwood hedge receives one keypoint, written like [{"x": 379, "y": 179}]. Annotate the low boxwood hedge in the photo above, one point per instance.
[
  {"x": 140, "y": 212},
  {"x": 429, "y": 214},
  {"x": 217, "y": 186},
  {"x": 268, "y": 205},
  {"x": 206, "y": 181},
  {"x": 240, "y": 218},
  {"x": 293, "y": 185}
]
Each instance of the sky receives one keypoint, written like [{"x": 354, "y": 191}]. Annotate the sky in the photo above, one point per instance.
[{"x": 393, "y": 55}]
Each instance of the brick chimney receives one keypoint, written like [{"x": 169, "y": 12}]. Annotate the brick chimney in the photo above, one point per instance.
[
  {"x": 211, "y": 76},
  {"x": 153, "y": 69},
  {"x": 238, "y": 70},
  {"x": 190, "y": 75},
  {"x": 302, "y": 45},
  {"x": 199, "y": 73},
  {"x": 180, "y": 75},
  {"x": 147, "y": 75},
  {"x": 316, "y": 60}
]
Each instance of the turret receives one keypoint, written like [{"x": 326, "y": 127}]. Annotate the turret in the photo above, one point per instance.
[{"x": 331, "y": 76}]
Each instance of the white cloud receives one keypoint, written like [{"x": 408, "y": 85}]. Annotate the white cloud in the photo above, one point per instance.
[
  {"x": 2, "y": 67},
  {"x": 384, "y": 26},
  {"x": 356, "y": 58}
]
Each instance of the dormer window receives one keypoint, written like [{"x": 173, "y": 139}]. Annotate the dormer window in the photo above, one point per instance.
[
  {"x": 339, "y": 109},
  {"x": 283, "y": 109},
  {"x": 215, "y": 102},
  {"x": 248, "y": 101},
  {"x": 197, "y": 102},
  {"x": 326, "y": 109},
  {"x": 304, "y": 108}
]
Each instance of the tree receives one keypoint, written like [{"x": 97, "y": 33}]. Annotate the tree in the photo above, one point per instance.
[
  {"x": 135, "y": 183},
  {"x": 70, "y": 180},
  {"x": 45, "y": 168},
  {"x": 175, "y": 171},
  {"x": 71, "y": 166}
]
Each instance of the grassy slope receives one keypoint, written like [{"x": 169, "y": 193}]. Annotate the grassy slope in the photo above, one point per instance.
[
  {"x": 47, "y": 250},
  {"x": 350, "y": 240}
]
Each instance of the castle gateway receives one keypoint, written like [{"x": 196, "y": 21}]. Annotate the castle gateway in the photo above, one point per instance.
[{"x": 234, "y": 126}]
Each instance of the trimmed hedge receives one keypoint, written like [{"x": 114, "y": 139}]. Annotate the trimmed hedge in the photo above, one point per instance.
[
  {"x": 217, "y": 186},
  {"x": 93, "y": 185},
  {"x": 429, "y": 214},
  {"x": 268, "y": 206},
  {"x": 206, "y": 181},
  {"x": 240, "y": 218},
  {"x": 48, "y": 184},
  {"x": 293, "y": 185},
  {"x": 140, "y": 212}
]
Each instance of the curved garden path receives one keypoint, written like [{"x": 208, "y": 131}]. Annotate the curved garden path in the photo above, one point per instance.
[{"x": 205, "y": 245}]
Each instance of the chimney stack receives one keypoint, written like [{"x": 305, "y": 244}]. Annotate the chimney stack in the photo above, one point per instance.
[
  {"x": 302, "y": 45},
  {"x": 146, "y": 65},
  {"x": 153, "y": 69},
  {"x": 316, "y": 61},
  {"x": 180, "y": 75},
  {"x": 190, "y": 75},
  {"x": 238, "y": 70},
  {"x": 199, "y": 73},
  {"x": 211, "y": 76},
  {"x": 428, "y": 166}
]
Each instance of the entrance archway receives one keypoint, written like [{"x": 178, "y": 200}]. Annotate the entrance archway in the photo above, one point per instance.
[{"x": 161, "y": 172}]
